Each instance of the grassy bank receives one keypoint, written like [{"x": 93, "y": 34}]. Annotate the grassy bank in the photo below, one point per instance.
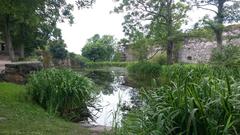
[{"x": 21, "y": 117}]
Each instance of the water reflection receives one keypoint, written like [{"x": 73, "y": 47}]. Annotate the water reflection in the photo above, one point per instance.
[
  {"x": 102, "y": 79},
  {"x": 113, "y": 94}
]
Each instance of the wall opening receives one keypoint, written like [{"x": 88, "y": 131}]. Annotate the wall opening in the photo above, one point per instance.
[{"x": 189, "y": 57}]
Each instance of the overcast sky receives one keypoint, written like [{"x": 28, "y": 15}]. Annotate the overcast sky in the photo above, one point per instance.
[{"x": 98, "y": 20}]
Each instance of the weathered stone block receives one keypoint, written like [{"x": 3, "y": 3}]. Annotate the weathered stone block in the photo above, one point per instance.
[{"x": 17, "y": 72}]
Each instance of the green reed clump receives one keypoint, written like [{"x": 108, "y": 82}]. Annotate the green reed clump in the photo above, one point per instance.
[
  {"x": 144, "y": 73},
  {"x": 193, "y": 100},
  {"x": 61, "y": 92}
]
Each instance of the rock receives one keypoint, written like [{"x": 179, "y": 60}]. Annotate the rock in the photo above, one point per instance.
[
  {"x": 3, "y": 119},
  {"x": 17, "y": 72}
]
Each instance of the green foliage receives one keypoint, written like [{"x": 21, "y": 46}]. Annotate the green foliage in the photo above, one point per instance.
[
  {"x": 32, "y": 24},
  {"x": 160, "y": 20},
  {"x": 144, "y": 73},
  {"x": 117, "y": 56},
  {"x": 25, "y": 118},
  {"x": 228, "y": 56},
  {"x": 78, "y": 60},
  {"x": 85, "y": 3},
  {"x": 199, "y": 32},
  {"x": 107, "y": 64},
  {"x": 61, "y": 92},
  {"x": 99, "y": 48},
  {"x": 225, "y": 11},
  {"x": 140, "y": 48},
  {"x": 58, "y": 49},
  {"x": 193, "y": 100},
  {"x": 159, "y": 59}
]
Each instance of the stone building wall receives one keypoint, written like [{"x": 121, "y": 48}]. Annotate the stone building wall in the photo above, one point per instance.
[
  {"x": 200, "y": 50},
  {"x": 196, "y": 50}
]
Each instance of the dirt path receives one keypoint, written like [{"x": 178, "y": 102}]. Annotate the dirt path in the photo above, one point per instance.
[{"x": 96, "y": 129}]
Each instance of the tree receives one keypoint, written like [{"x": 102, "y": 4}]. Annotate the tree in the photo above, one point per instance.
[
  {"x": 15, "y": 11},
  {"x": 99, "y": 48},
  {"x": 84, "y": 3},
  {"x": 226, "y": 11},
  {"x": 39, "y": 18},
  {"x": 58, "y": 49},
  {"x": 158, "y": 19}
]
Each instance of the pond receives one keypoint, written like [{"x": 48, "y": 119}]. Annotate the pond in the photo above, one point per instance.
[{"x": 115, "y": 97}]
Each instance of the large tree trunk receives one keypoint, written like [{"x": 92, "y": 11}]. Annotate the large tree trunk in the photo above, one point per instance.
[
  {"x": 8, "y": 39},
  {"x": 170, "y": 44},
  {"x": 220, "y": 26},
  {"x": 170, "y": 52},
  {"x": 22, "y": 45},
  {"x": 219, "y": 39},
  {"x": 22, "y": 54}
]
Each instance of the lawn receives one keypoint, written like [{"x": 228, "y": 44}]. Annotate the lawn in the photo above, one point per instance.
[{"x": 19, "y": 116}]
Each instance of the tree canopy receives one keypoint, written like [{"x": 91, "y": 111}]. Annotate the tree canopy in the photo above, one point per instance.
[
  {"x": 226, "y": 11},
  {"x": 99, "y": 48},
  {"x": 31, "y": 24},
  {"x": 158, "y": 20},
  {"x": 57, "y": 49}
]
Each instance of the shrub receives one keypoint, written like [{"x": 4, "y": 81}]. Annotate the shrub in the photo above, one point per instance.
[
  {"x": 118, "y": 56},
  {"x": 228, "y": 56},
  {"x": 61, "y": 92},
  {"x": 159, "y": 59},
  {"x": 78, "y": 60}
]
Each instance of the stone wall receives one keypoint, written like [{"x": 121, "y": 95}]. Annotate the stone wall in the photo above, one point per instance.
[
  {"x": 196, "y": 50},
  {"x": 18, "y": 72},
  {"x": 200, "y": 50}
]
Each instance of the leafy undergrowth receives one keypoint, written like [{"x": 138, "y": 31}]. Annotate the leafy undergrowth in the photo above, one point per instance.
[{"x": 21, "y": 117}]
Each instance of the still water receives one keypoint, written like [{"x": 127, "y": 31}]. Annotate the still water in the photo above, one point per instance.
[{"x": 114, "y": 97}]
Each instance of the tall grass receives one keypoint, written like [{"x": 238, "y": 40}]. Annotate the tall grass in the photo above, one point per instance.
[
  {"x": 144, "y": 73},
  {"x": 192, "y": 100},
  {"x": 61, "y": 92}
]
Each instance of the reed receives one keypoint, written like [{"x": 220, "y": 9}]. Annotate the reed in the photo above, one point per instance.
[
  {"x": 62, "y": 92},
  {"x": 192, "y": 100}
]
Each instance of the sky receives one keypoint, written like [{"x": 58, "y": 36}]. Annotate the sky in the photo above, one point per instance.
[
  {"x": 98, "y": 20},
  {"x": 89, "y": 22}
]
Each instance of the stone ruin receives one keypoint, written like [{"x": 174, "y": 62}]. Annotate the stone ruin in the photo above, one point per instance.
[
  {"x": 197, "y": 50},
  {"x": 17, "y": 72}
]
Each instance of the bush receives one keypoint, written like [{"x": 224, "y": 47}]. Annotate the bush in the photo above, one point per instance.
[
  {"x": 61, "y": 92},
  {"x": 159, "y": 59},
  {"x": 118, "y": 56},
  {"x": 78, "y": 60},
  {"x": 228, "y": 56},
  {"x": 197, "y": 100}
]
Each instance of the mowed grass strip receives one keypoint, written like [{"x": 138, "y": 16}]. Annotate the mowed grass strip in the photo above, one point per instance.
[{"x": 19, "y": 116}]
